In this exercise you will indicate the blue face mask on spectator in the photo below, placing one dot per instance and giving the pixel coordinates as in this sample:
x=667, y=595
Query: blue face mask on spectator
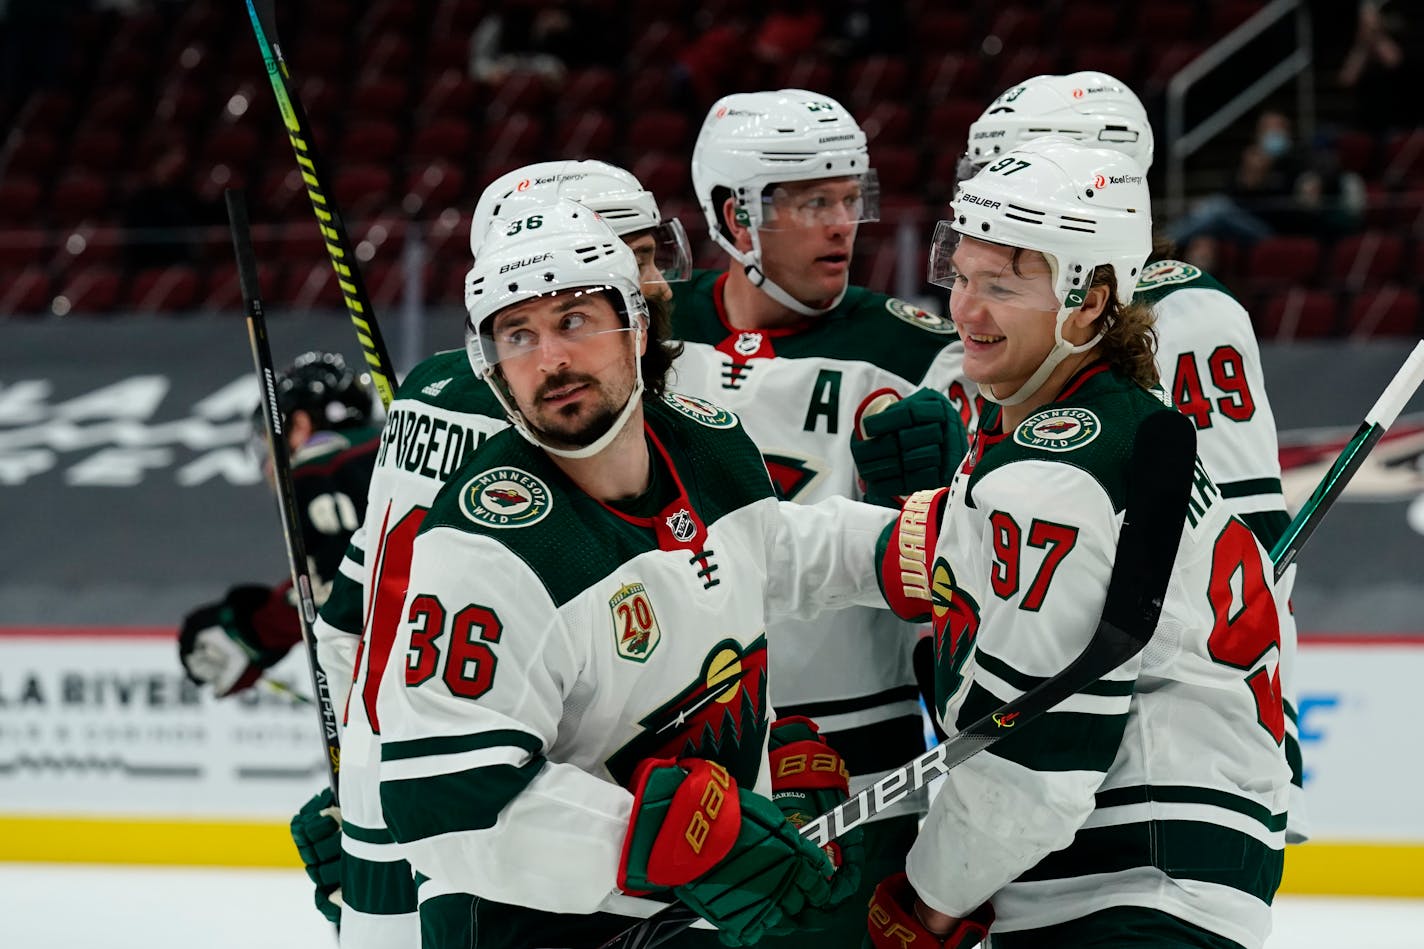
x=1275, y=143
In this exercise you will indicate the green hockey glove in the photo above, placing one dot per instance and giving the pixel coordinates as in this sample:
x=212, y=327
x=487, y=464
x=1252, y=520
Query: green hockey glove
x=907, y=445
x=727, y=852
x=316, y=830
x=809, y=778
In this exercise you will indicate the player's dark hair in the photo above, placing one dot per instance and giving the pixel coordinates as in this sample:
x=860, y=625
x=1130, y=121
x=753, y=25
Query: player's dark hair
x=662, y=349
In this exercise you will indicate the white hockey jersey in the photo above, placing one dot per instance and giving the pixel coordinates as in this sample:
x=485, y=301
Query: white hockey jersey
x=1164, y=785
x=441, y=413
x=549, y=643
x=1210, y=363
x=797, y=391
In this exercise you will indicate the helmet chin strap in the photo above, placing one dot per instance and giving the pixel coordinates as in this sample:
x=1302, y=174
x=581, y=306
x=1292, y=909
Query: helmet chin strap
x=1061, y=350
x=521, y=424
x=751, y=263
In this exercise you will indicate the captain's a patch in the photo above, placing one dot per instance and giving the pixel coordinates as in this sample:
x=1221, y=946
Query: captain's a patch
x=1058, y=429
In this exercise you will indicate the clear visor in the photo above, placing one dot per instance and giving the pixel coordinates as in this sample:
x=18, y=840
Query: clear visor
x=579, y=323
x=826, y=202
x=978, y=271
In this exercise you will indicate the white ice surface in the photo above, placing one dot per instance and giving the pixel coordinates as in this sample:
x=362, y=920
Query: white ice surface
x=47, y=906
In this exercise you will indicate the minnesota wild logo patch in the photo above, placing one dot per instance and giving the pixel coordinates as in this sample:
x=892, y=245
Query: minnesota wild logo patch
x=1165, y=273
x=505, y=497
x=924, y=319
x=1058, y=429
x=700, y=410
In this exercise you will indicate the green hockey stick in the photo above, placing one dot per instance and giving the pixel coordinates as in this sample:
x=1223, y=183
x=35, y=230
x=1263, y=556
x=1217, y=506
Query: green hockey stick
x=262, y=13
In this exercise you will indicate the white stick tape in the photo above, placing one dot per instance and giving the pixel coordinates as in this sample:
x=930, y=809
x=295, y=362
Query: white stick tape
x=1401, y=387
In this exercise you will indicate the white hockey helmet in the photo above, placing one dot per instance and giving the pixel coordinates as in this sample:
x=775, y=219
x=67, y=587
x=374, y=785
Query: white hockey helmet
x=543, y=250
x=1091, y=108
x=1080, y=207
x=753, y=140
x=614, y=193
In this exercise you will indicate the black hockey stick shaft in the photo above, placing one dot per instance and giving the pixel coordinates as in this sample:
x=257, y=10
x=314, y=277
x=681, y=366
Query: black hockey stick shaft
x=339, y=248
x=282, y=470
x=1159, y=488
x=1376, y=422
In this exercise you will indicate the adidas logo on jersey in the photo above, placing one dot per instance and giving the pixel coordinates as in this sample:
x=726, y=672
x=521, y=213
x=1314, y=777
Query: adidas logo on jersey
x=434, y=388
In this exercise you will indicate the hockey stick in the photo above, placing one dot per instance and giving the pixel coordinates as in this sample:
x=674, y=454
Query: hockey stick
x=1159, y=487
x=262, y=13
x=1377, y=421
x=282, y=469
x=938, y=760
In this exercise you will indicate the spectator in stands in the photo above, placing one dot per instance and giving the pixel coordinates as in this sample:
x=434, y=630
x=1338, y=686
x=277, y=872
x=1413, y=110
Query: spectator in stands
x=1375, y=68
x=1278, y=188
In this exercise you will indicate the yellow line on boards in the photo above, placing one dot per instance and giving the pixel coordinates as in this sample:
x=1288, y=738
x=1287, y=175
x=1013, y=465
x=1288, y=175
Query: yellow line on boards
x=1354, y=869
x=1339, y=869
x=137, y=840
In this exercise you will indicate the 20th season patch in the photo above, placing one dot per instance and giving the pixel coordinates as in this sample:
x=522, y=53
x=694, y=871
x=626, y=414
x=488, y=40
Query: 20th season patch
x=700, y=410
x=505, y=497
x=1058, y=429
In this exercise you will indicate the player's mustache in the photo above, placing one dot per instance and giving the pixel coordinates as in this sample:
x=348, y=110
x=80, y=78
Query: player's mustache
x=562, y=380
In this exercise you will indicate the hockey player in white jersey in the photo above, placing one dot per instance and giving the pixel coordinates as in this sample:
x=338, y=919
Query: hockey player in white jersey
x=575, y=708
x=783, y=339
x=1149, y=809
x=1207, y=354
x=440, y=415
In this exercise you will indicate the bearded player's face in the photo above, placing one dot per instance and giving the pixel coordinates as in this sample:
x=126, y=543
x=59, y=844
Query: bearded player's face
x=568, y=363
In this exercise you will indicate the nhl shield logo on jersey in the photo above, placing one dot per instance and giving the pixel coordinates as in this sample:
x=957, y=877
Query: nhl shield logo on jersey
x=924, y=319
x=635, y=627
x=1058, y=429
x=505, y=497
x=748, y=344
x=681, y=525
x=700, y=410
x=1165, y=273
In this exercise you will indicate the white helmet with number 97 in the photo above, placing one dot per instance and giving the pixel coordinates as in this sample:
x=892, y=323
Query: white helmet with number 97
x=1092, y=108
x=751, y=141
x=1082, y=208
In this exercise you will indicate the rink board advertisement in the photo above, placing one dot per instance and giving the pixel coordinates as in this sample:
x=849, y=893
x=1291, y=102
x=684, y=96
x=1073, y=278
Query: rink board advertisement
x=101, y=724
